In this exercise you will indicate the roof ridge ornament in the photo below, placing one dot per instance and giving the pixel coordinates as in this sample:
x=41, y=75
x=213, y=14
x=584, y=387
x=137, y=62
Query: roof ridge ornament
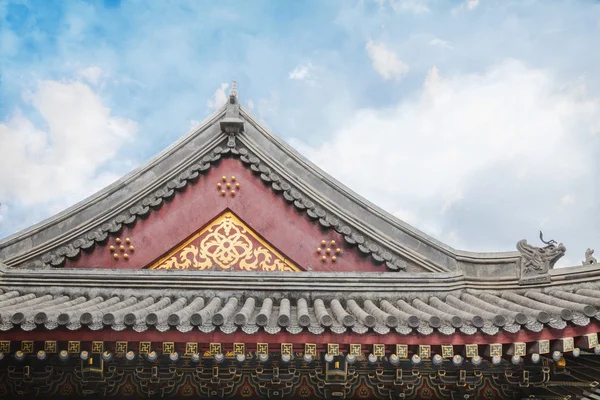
x=589, y=257
x=232, y=124
x=233, y=93
x=536, y=262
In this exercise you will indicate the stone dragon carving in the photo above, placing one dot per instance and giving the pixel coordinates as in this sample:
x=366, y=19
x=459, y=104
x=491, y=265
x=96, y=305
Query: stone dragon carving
x=589, y=257
x=536, y=262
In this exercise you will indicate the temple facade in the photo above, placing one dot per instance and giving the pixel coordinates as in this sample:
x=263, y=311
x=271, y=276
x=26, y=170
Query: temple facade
x=229, y=266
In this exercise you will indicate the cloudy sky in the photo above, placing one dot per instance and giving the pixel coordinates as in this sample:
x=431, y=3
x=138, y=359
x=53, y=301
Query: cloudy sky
x=475, y=121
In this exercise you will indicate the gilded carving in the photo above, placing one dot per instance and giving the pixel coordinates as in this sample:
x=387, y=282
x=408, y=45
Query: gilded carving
x=226, y=243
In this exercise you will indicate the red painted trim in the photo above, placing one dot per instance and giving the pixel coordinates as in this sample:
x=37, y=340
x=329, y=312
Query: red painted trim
x=304, y=337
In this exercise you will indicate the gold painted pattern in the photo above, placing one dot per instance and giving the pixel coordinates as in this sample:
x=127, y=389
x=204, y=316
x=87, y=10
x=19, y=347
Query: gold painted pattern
x=226, y=243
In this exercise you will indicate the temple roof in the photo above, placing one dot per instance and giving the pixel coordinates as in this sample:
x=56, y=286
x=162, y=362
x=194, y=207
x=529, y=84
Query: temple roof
x=232, y=132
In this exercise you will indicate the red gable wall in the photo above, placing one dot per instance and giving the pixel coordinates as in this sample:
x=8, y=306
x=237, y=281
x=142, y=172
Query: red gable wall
x=263, y=210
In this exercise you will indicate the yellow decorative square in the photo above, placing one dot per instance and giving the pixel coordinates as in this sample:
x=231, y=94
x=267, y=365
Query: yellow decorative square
x=355, y=350
x=191, y=348
x=333, y=349
x=402, y=350
x=447, y=351
x=5, y=346
x=310, y=349
x=425, y=351
x=592, y=340
x=239, y=349
x=543, y=346
x=286, y=349
x=471, y=350
x=215, y=348
x=262, y=349
x=568, y=344
x=97, y=347
x=520, y=349
x=379, y=350
x=496, y=349
x=74, y=347
x=168, y=347
x=121, y=348
x=27, y=346
x=145, y=347
x=50, y=346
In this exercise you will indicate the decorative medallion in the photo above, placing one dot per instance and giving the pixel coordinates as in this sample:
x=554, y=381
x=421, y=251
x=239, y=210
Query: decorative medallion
x=168, y=347
x=425, y=351
x=122, y=248
x=496, y=349
x=74, y=347
x=262, y=349
x=286, y=349
x=310, y=349
x=520, y=349
x=145, y=347
x=121, y=347
x=471, y=350
x=543, y=346
x=447, y=351
x=191, y=348
x=97, y=347
x=379, y=350
x=355, y=350
x=228, y=244
x=328, y=251
x=567, y=344
x=228, y=186
x=239, y=349
x=5, y=346
x=592, y=340
x=27, y=346
x=333, y=349
x=402, y=350
x=215, y=349
x=50, y=346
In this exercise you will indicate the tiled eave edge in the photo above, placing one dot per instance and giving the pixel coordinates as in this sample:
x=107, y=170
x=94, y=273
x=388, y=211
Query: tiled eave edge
x=365, y=283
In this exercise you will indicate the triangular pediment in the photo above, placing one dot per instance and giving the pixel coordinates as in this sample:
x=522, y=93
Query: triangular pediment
x=226, y=243
x=284, y=198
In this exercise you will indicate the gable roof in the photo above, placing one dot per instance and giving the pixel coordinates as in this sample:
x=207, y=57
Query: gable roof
x=234, y=132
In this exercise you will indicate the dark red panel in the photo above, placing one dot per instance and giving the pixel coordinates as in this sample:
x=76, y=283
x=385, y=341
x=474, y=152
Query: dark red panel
x=265, y=211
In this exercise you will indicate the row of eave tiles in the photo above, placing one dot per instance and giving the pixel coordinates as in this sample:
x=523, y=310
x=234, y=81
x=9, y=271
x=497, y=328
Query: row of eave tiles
x=466, y=313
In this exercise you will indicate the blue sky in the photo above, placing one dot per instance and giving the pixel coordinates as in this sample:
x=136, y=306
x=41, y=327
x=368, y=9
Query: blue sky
x=476, y=121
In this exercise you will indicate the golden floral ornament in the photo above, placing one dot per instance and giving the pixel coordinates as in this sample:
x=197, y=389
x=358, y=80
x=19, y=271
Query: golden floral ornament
x=227, y=244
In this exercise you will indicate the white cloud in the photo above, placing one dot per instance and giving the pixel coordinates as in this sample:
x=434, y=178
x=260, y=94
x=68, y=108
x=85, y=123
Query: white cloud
x=61, y=161
x=301, y=72
x=472, y=4
x=219, y=98
x=385, y=62
x=3, y=212
x=441, y=43
x=568, y=199
x=414, y=6
x=250, y=105
x=506, y=141
x=92, y=74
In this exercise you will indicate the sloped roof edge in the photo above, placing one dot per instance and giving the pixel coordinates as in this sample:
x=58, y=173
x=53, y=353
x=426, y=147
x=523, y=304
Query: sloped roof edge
x=375, y=232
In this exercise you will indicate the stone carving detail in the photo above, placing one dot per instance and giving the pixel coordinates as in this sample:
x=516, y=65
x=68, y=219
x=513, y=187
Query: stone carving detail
x=589, y=257
x=536, y=262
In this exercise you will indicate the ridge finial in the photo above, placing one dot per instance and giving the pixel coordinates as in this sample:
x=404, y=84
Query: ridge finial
x=233, y=93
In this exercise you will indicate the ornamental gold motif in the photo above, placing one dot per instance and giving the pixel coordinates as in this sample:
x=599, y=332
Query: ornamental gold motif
x=226, y=243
